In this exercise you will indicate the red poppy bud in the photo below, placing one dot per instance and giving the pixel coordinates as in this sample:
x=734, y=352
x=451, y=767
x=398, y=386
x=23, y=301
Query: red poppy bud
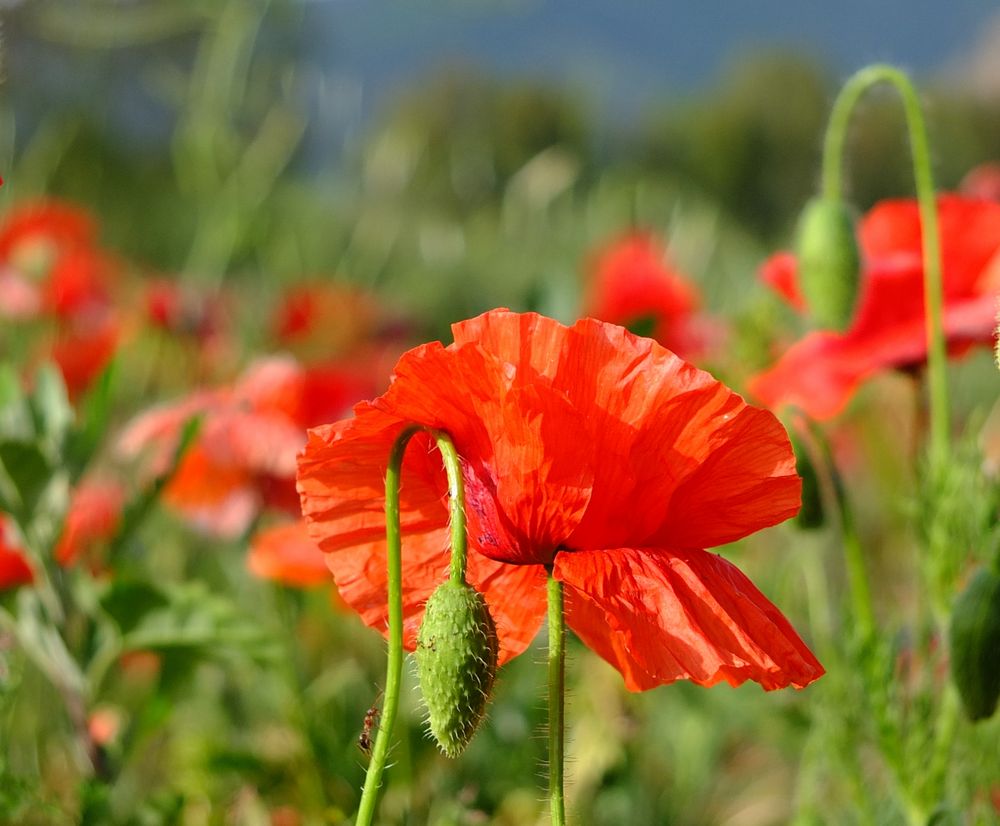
x=829, y=262
x=457, y=650
x=975, y=645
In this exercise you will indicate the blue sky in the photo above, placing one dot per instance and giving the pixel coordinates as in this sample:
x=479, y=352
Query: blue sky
x=627, y=52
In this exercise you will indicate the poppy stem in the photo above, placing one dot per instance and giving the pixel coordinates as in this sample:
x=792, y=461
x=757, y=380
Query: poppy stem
x=557, y=668
x=833, y=151
x=393, y=542
x=854, y=554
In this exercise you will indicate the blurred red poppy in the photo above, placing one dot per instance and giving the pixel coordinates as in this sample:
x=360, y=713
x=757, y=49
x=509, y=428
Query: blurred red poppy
x=820, y=373
x=632, y=283
x=286, y=553
x=94, y=515
x=35, y=229
x=14, y=567
x=82, y=349
x=324, y=317
x=588, y=451
x=176, y=309
x=35, y=237
x=244, y=457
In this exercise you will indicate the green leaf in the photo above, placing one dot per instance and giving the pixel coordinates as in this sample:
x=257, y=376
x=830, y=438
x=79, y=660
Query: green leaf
x=128, y=602
x=138, y=509
x=15, y=414
x=193, y=618
x=29, y=471
x=95, y=413
x=51, y=408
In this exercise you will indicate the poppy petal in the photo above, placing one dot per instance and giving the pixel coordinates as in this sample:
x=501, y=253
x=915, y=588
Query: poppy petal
x=342, y=485
x=744, y=480
x=660, y=616
x=287, y=554
x=516, y=597
x=505, y=417
x=781, y=273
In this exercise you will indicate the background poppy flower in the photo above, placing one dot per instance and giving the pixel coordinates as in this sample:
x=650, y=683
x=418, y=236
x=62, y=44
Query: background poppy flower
x=244, y=456
x=633, y=283
x=94, y=515
x=14, y=567
x=287, y=554
x=586, y=450
x=820, y=373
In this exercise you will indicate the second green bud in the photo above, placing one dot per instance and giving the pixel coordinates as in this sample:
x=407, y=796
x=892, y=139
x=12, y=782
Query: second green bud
x=829, y=262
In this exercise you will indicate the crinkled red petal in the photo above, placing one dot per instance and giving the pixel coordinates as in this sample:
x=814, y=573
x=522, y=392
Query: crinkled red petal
x=660, y=616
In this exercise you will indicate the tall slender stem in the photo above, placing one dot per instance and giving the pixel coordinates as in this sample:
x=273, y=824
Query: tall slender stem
x=557, y=667
x=833, y=152
x=393, y=541
x=854, y=556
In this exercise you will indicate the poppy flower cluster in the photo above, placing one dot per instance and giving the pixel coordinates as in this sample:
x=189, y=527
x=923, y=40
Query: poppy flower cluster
x=243, y=459
x=821, y=372
x=53, y=268
x=589, y=454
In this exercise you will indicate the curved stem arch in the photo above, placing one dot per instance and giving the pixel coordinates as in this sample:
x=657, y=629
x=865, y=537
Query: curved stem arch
x=833, y=152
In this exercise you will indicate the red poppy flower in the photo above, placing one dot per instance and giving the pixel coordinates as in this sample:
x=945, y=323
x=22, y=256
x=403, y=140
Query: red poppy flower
x=286, y=553
x=173, y=308
x=633, y=284
x=820, y=373
x=244, y=458
x=14, y=567
x=324, y=317
x=94, y=516
x=34, y=238
x=45, y=226
x=586, y=450
x=83, y=348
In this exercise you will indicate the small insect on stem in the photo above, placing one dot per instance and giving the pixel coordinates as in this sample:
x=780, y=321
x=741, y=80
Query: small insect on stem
x=369, y=726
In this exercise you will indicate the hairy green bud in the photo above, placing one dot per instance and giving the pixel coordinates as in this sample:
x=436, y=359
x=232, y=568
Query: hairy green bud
x=457, y=650
x=829, y=262
x=975, y=644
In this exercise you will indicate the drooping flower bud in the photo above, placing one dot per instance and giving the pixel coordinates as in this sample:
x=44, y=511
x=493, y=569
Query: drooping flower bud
x=975, y=644
x=457, y=650
x=829, y=262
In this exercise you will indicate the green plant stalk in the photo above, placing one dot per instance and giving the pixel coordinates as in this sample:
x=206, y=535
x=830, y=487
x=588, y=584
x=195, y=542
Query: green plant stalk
x=393, y=541
x=939, y=437
x=833, y=152
x=557, y=693
x=854, y=557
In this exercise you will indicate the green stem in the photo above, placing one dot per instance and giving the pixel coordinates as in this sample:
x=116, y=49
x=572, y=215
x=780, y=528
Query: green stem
x=557, y=663
x=393, y=541
x=945, y=732
x=854, y=556
x=833, y=151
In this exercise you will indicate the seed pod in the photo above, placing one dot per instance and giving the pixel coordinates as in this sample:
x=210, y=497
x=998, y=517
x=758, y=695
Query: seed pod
x=457, y=650
x=975, y=645
x=829, y=262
